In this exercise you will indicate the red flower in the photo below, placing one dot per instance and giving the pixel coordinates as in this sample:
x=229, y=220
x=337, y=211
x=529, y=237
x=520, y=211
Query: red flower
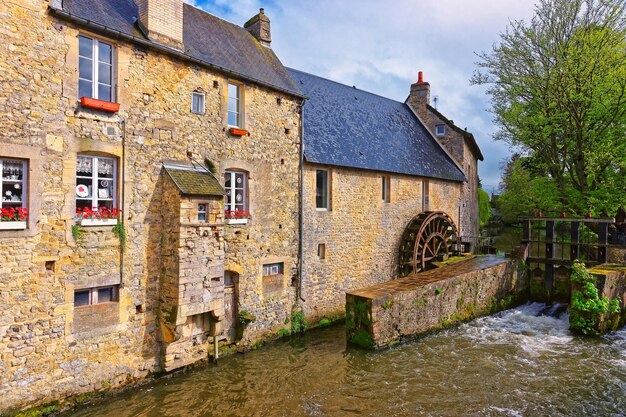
x=11, y=214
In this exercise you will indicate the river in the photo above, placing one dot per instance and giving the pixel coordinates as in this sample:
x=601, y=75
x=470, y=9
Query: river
x=517, y=363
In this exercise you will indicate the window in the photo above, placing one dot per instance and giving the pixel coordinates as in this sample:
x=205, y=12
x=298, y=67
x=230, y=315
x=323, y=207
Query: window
x=13, y=183
x=91, y=296
x=321, y=189
x=321, y=250
x=197, y=103
x=95, y=69
x=235, y=109
x=425, y=195
x=202, y=212
x=385, y=185
x=95, y=182
x=230, y=278
x=440, y=130
x=236, y=185
x=273, y=269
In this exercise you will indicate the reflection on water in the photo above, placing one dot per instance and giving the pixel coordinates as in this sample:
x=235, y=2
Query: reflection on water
x=517, y=363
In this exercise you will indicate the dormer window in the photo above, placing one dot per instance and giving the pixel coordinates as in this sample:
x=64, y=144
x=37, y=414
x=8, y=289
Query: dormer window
x=95, y=69
x=440, y=130
x=235, y=105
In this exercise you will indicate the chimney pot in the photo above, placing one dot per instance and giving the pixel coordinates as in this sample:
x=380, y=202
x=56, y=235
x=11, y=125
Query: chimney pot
x=420, y=78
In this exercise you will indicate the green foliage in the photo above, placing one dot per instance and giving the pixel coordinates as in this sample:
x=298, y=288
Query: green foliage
x=438, y=290
x=363, y=339
x=284, y=332
x=324, y=322
x=484, y=207
x=44, y=410
x=78, y=233
x=120, y=232
x=558, y=94
x=587, y=306
x=245, y=317
x=298, y=322
x=211, y=166
x=387, y=304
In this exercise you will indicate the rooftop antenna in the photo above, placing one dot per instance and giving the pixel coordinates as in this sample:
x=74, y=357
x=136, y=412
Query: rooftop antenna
x=436, y=100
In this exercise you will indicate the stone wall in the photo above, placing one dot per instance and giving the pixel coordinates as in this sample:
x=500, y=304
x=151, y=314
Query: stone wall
x=44, y=354
x=361, y=233
x=387, y=313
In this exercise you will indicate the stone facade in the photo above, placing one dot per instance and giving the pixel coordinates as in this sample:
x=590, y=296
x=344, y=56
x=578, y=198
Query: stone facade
x=361, y=232
x=50, y=349
x=384, y=314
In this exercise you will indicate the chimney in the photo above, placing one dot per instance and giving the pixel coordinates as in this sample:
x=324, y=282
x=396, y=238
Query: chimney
x=419, y=97
x=162, y=21
x=259, y=27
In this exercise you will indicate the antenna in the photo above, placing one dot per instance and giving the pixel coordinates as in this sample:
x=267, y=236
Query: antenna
x=436, y=100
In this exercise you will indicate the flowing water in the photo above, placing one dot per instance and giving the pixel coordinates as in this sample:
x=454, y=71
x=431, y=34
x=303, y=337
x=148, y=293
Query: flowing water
x=517, y=363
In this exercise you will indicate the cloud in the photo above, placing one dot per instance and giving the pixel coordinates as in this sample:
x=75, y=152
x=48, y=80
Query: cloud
x=379, y=47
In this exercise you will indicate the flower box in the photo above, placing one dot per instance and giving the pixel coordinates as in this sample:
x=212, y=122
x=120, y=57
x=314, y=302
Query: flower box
x=238, y=132
x=236, y=221
x=92, y=103
x=98, y=222
x=14, y=225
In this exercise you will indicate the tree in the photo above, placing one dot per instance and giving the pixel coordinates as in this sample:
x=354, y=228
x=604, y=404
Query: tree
x=558, y=93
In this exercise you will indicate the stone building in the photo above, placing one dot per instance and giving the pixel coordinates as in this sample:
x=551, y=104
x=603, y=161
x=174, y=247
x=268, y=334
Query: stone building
x=157, y=109
x=461, y=146
x=371, y=165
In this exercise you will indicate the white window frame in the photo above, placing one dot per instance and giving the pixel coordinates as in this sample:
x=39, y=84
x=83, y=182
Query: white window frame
x=93, y=295
x=233, y=205
x=95, y=68
x=202, y=211
x=238, y=99
x=23, y=183
x=321, y=250
x=203, y=102
x=440, y=130
x=276, y=268
x=326, y=185
x=94, y=180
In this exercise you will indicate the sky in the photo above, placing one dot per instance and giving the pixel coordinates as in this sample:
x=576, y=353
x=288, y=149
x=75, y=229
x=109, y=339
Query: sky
x=380, y=46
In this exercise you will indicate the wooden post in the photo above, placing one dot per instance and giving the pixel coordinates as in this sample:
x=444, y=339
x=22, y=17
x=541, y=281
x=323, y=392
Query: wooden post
x=549, y=274
x=603, y=240
x=575, y=245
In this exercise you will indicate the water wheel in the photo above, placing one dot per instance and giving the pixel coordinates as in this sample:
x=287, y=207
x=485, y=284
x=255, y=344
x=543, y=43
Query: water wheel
x=429, y=237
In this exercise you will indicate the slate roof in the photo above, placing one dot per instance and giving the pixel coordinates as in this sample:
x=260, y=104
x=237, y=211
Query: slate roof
x=207, y=38
x=194, y=181
x=469, y=137
x=348, y=127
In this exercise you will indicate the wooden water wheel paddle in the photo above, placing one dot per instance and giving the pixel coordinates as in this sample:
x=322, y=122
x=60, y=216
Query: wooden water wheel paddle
x=429, y=237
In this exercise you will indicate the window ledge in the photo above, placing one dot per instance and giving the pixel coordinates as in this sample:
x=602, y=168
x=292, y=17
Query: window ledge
x=236, y=131
x=13, y=225
x=97, y=222
x=92, y=103
x=236, y=221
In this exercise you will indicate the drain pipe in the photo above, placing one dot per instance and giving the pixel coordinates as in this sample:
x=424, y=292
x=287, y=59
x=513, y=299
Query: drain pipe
x=122, y=249
x=301, y=203
x=216, y=353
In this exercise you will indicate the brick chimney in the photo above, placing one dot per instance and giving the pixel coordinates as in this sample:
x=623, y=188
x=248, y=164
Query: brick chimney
x=162, y=21
x=259, y=27
x=419, y=97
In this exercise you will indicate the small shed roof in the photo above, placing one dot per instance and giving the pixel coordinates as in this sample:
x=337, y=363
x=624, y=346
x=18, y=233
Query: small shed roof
x=194, y=180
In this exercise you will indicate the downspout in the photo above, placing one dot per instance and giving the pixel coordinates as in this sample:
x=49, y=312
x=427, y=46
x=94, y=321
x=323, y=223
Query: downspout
x=123, y=201
x=301, y=203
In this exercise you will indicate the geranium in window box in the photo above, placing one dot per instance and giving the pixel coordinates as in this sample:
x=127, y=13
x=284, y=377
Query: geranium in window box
x=236, y=216
x=97, y=216
x=237, y=131
x=93, y=103
x=12, y=218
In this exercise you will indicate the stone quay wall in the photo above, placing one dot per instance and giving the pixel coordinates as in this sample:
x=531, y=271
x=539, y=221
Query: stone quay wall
x=48, y=349
x=361, y=233
x=384, y=314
